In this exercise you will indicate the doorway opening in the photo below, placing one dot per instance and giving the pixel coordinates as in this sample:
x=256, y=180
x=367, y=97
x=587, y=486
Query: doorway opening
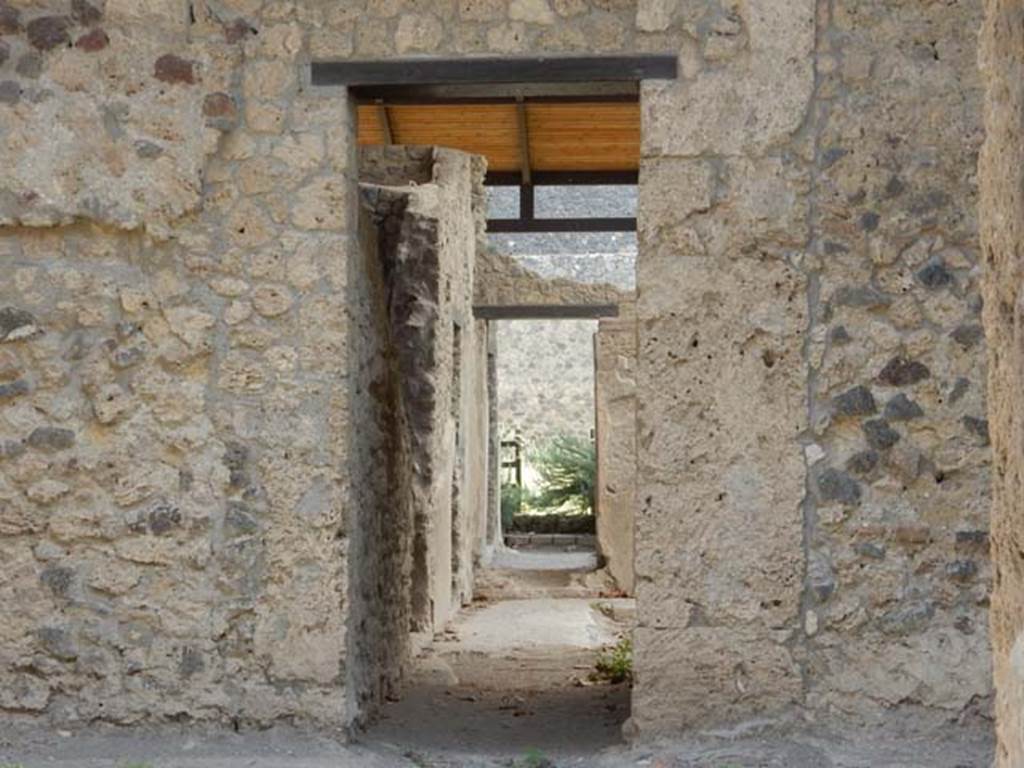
x=504, y=300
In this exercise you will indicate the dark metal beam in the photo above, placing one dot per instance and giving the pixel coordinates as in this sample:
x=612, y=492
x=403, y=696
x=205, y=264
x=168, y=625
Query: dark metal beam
x=527, y=225
x=545, y=311
x=562, y=178
x=487, y=69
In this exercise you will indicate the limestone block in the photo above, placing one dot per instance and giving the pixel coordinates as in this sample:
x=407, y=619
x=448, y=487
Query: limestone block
x=418, y=32
x=531, y=11
x=720, y=393
x=687, y=678
x=727, y=111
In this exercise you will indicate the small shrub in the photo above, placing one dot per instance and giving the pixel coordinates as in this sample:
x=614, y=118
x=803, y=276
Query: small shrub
x=512, y=497
x=616, y=665
x=567, y=467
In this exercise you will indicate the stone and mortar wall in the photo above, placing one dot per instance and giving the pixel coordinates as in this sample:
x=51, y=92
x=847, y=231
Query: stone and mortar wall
x=545, y=379
x=615, y=395
x=807, y=279
x=180, y=548
x=437, y=403
x=1002, y=206
x=174, y=221
x=897, y=449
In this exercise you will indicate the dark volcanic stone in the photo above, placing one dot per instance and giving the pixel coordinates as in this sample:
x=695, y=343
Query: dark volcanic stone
x=163, y=518
x=862, y=463
x=147, y=150
x=16, y=324
x=10, y=19
x=907, y=618
x=840, y=335
x=14, y=389
x=871, y=550
x=934, y=275
x=879, y=434
x=967, y=336
x=861, y=296
x=857, y=401
x=10, y=92
x=973, y=538
x=95, y=40
x=902, y=408
x=191, y=662
x=894, y=187
x=960, y=388
x=978, y=427
x=57, y=642
x=869, y=221
x=85, y=13
x=236, y=31
x=834, y=485
x=962, y=570
x=174, y=69
x=58, y=579
x=10, y=449
x=48, y=32
x=900, y=372
x=51, y=439
x=30, y=65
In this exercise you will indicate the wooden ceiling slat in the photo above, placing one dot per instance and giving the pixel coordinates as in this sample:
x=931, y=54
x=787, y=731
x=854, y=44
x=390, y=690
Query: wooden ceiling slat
x=583, y=136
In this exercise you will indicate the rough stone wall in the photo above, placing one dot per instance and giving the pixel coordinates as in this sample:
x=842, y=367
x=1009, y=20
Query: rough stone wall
x=182, y=551
x=546, y=368
x=1002, y=207
x=615, y=395
x=173, y=409
x=897, y=518
x=545, y=379
x=807, y=278
x=439, y=409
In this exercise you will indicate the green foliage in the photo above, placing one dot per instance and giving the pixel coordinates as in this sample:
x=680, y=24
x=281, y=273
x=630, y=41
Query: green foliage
x=616, y=665
x=512, y=498
x=567, y=466
x=534, y=758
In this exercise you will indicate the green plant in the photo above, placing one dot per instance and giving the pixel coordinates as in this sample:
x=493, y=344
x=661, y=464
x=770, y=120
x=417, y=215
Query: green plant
x=512, y=497
x=616, y=665
x=534, y=758
x=567, y=466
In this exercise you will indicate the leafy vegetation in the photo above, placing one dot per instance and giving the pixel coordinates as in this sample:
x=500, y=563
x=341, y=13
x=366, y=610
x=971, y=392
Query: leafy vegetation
x=567, y=466
x=616, y=665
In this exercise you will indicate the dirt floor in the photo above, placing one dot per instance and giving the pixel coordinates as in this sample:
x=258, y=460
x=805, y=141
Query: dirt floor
x=508, y=686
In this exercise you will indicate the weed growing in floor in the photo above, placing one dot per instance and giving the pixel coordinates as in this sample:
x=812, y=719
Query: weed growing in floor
x=616, y=665
x=534, y=758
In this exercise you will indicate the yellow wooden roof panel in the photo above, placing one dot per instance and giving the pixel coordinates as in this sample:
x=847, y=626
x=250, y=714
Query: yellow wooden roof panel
x=577, y=136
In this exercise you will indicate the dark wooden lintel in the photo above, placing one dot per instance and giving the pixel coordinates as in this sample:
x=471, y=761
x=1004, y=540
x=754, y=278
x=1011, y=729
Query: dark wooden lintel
x=488, y=69
x=545, y=311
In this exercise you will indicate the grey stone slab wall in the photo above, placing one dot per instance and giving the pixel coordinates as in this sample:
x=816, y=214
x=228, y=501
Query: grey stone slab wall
x=1002, y=207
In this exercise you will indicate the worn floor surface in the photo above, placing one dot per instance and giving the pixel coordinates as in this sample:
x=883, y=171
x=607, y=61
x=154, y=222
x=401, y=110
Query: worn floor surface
x=507, y=687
